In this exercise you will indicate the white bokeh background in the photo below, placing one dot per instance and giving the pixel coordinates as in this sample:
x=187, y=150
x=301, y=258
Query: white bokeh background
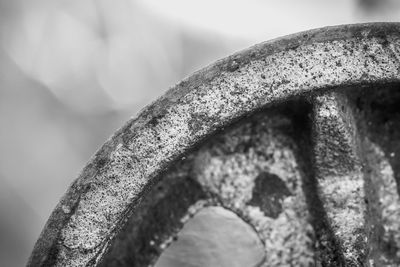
x=71, y=72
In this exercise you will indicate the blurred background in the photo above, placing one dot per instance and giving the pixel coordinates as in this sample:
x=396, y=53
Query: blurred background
x=72, y=72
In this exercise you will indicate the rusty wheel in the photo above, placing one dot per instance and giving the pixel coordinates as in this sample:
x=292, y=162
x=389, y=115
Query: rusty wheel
x=298, y=136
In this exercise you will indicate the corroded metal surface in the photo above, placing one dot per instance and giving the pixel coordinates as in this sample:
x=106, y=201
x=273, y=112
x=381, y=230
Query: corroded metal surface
x=253, y=171
x=108, y=191
x=339, y=173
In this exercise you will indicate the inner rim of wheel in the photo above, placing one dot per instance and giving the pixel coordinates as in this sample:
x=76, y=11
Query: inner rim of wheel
x=313, y=177
x=304, y=66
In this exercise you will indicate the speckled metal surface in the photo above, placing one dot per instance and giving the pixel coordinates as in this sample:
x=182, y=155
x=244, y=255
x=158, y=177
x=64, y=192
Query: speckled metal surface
x=253, y=171
x=105, y=194
x=339, y=172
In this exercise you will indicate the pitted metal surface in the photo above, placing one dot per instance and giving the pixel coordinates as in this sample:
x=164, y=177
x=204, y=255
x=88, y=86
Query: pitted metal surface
x=294, y=114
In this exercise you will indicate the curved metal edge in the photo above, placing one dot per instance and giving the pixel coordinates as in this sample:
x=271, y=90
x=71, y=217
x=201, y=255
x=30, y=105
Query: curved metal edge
x=97, y=203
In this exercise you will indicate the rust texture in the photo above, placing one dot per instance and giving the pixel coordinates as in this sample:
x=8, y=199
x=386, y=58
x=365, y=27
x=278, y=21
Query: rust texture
x=339, y=172
x=123, y=171
x=251, y=168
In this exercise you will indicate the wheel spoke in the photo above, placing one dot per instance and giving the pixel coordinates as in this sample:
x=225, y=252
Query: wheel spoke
x=339, y=174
